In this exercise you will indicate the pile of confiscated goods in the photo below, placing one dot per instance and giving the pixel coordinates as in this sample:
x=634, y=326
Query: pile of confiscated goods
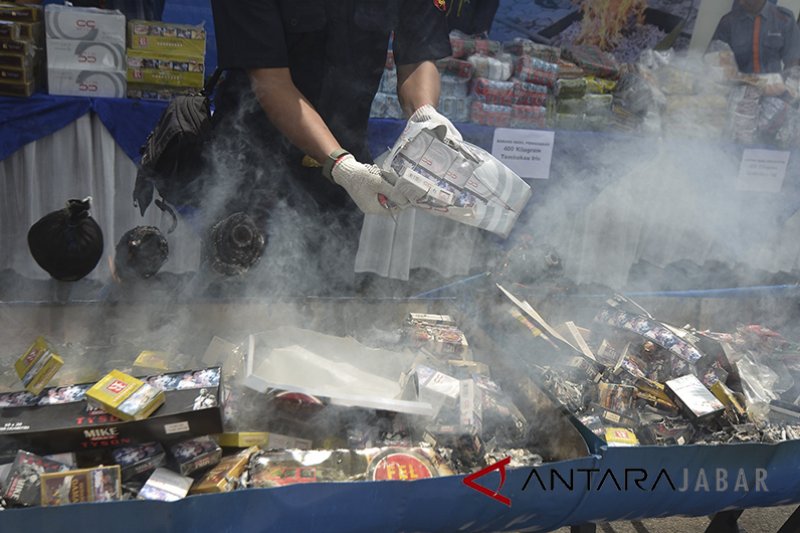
x=171, y=433
x=634, y=380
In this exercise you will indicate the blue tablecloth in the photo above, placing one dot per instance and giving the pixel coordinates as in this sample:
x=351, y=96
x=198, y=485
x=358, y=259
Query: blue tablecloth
x=26, y=120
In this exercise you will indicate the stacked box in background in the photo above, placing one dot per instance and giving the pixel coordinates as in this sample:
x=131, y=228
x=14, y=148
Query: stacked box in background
x=165, y=59
x=21, y=56
x=85, y=51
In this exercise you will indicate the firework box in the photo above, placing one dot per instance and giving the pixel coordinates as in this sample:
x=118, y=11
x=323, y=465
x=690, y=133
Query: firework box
x=21, y=31
x=60, y=420
x=149, y=360
x=139, y=459
x=124, y=396
x=22, y=486
x=91, y=83
x=149, y=68
x=99, y=484
x=196, y=454
x=38, y=366
x=165, y=38
x=84, y=24
x=166, y=486
x=695, y=400
x=81, y=55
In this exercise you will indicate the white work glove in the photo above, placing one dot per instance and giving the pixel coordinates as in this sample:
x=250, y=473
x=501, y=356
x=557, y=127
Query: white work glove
x=366, y=186
x=428, y=113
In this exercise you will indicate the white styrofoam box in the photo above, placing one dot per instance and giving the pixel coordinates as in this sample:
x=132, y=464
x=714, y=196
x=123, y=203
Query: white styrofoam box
x=84, y=24
x=82, y=55
x=92, y=83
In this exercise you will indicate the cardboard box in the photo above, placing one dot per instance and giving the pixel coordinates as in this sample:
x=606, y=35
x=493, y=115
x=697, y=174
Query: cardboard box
x=124, y=396
x=82, y=55
x=58, y=420
x=99, y=484
x=39, y=363
x=84, y=24
x=11, y=46
x=139, y=459
x=91, y=83
x=694, y=399
x=19, y=76
x=196, y=454
x=267, y=441
x=224, y=477
x=22, y=486
x=165, y=38
x=160, y=69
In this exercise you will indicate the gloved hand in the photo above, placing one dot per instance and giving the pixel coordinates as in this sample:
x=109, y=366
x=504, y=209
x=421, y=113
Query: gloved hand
x=364, y=184
x=428, y=113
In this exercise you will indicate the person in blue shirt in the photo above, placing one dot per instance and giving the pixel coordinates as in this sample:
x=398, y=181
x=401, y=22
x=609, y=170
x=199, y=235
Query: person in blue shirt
x=763, y=36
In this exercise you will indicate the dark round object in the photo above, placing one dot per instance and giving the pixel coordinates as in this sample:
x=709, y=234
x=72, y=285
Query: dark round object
x=141, y=252
x=67, y=243
x=235, y=244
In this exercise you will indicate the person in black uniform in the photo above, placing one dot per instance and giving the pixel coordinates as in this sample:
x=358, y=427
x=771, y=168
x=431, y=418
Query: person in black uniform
x=764, y=37
x=300, y=77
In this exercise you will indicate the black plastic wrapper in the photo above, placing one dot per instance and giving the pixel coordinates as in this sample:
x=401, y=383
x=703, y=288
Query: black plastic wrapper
x=235, y=245
x=141, y=252
x=67, y=243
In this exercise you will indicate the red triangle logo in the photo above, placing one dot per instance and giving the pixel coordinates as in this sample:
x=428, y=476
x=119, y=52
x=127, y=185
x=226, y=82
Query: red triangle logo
x=469, y=481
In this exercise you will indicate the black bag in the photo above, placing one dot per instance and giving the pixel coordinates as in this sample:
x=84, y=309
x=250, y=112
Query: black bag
x=67, y=243
x=172, y=154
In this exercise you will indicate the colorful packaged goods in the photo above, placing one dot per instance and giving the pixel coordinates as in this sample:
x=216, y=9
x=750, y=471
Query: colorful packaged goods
x=533, y=70
x=38, y=366
x=124, y=396
x=99, y=484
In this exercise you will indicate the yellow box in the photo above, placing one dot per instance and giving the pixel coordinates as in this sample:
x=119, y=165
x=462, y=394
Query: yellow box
x=39, y=364
x=621, y=437
x=222, y=478
x=20, y=13
x=152, y=360
x=166, y=38
x=124, y=396
x=262, y=439
x=150, y=68
x=17, y=89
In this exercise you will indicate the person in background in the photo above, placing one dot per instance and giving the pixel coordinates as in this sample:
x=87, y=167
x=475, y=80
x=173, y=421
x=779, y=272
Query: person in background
x=300, y=79
x=763, y=36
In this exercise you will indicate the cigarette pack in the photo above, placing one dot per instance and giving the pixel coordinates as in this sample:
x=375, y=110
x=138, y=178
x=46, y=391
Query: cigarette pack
x=694, y=399
x=196, y=454
x=225, y=476
x=139, y=459
x=621, y=437
x=20, y=12
x=81, y=55
x=124, y=396
x=99, y=484
x=265, y=440
x=39, y=364
x=166, y=486
x=60, y=420
x=22, y=486
x=727, y=397
x=91, y=83
x=418, y=188
x=84, y=24
x=165, y=38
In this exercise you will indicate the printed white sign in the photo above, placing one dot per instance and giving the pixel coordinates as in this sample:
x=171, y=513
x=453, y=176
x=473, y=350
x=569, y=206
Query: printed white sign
x=762, y=170
x=526, y=152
